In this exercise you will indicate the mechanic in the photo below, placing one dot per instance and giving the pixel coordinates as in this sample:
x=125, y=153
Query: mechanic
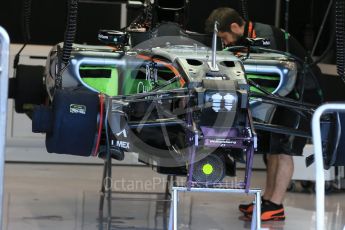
x=232, y=29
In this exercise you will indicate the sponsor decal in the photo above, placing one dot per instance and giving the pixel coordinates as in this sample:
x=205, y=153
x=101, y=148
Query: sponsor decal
x=122, y=133
x=75, y=108
x=122, y=144
x=223, y=141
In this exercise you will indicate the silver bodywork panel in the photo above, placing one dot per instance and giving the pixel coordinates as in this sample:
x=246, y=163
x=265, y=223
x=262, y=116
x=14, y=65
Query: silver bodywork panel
x=192, y=61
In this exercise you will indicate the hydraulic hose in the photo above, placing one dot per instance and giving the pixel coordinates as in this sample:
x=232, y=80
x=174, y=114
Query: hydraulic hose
x=25, y=26
x=244, y=9
x=70, y=33
x=71, y=29
x=327, y=50
x=26, y=14
x=331, y=43
x=340, y=37
x=330, y=4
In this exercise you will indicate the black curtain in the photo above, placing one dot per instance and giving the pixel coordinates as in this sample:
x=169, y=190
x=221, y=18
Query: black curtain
x=48, y=19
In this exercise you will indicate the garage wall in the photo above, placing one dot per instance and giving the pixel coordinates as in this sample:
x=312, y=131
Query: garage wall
x=48, y=20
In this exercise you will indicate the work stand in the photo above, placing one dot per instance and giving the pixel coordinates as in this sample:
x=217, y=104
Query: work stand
x=107, y=198
x=169, y=198
x=256, y=220
x=239, y=187
x=246, y=142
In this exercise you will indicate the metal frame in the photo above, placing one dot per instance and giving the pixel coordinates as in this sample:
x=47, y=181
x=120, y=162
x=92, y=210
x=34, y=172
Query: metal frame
x=247, y=142
x=319, y=172
x=4, y=60
x=106, y=197
x=256, y=219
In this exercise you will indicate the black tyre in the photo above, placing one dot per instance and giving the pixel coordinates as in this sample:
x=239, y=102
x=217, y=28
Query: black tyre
x=28, y=88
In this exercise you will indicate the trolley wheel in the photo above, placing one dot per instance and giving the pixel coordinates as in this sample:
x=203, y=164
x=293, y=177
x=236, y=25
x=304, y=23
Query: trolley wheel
x=292, y=187
x=306, y=184
x=328, y=187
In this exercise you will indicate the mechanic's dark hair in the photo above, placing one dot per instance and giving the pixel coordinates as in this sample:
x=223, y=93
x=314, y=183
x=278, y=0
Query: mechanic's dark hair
x=225, y=17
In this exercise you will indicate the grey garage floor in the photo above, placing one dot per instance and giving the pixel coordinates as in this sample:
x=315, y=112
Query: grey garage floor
x=60, y=197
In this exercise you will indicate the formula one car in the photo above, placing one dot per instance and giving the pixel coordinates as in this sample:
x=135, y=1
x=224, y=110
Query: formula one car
x=159, y=102
x=185, y=108
x=175, y=106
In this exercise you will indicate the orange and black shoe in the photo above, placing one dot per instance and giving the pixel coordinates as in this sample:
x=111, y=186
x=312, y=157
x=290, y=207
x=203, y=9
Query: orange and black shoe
x=272, y=212
x=247, y=209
